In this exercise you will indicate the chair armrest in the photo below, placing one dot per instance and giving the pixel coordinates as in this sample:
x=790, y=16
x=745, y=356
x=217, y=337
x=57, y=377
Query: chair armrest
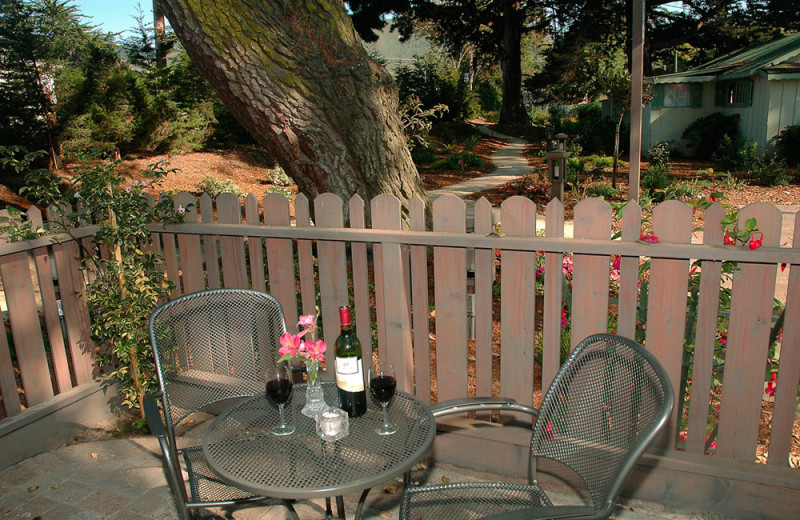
x=549, y=512
x=479, y=404
x=153, y=414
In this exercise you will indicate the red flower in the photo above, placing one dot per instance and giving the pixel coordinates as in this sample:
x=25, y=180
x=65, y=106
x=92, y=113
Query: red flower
x=755, y=244
x=728, y=240
x=615, y=264
x=783, y=267
x=652, y=239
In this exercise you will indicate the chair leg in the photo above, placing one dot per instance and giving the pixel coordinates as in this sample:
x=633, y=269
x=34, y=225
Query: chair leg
x=290, y=508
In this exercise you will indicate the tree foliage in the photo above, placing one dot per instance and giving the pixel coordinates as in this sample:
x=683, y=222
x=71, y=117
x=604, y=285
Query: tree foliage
x=492, y=29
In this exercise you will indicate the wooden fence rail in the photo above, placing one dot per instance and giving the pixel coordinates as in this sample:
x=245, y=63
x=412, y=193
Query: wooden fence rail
x=428, y=288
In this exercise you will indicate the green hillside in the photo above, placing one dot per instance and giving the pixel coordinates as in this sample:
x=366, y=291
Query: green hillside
x=395, y=52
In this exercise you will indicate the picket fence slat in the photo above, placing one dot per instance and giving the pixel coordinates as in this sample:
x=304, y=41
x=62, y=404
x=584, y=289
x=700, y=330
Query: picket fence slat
x=752, y=295
x=590, y=272
x=419, y=304
x=72, y=288
x=231, y=249
x=783, y=416
x=706, y=334
x=518, y=304
x=629, y=273
x=483, y=312
x=210, y=249
x=332, y=265
x=252, y=215
x=397, y=322
x=44, y=270
x=553, y=296
x=305, y=257
x=280, y=258
x=361, y=281
x=666, y=310
x=192, y=275
x=450, y=273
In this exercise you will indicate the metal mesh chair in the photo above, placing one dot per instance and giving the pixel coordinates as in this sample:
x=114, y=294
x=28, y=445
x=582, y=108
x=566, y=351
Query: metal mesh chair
x=606, y=405
x=211, y=348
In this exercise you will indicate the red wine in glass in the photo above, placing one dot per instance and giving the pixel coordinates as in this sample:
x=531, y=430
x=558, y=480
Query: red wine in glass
x=382, y=385
x=279, y=389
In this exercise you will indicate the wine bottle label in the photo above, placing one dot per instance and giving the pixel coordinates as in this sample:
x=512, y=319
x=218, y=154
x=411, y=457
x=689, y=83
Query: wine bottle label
x=350, y=374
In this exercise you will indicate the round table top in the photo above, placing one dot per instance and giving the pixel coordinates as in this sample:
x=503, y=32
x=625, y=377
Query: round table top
x=239, y=447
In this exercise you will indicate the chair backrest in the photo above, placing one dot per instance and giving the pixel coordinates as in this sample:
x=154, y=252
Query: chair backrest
x=212, y=346
x=606, y=405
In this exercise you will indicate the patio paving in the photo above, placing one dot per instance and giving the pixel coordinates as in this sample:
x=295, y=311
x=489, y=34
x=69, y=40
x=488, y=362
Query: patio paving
x=122, y=479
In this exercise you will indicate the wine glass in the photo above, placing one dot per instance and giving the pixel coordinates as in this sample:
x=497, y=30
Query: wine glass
x=382, y=385
x=279, y=388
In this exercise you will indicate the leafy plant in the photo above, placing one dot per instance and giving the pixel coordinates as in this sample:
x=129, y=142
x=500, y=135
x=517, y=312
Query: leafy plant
x=706, y=133
x=278, y=177
x=215, y=187
x=128, y=282
x=787, y=143
x=655, y=178
x=660, y=154
x=770, y=172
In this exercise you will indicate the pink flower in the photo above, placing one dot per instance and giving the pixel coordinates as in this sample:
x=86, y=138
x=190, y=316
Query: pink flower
x=289, y=344
x=682, y=436
x=616, y=262
x=307, y=320
x=315, y=350
x=539, y=272
x=652, y=239
x=181, y=209
x=564, y=319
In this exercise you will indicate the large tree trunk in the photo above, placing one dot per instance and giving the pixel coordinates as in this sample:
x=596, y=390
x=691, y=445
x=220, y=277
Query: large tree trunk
x=297, y=77
x=513, y=110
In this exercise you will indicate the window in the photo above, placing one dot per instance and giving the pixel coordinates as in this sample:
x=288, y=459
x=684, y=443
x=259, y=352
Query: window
x=738, y=93
x=678, y=95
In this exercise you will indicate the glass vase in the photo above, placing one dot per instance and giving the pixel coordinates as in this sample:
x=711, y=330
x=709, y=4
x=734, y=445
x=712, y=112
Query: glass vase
x=315, y=400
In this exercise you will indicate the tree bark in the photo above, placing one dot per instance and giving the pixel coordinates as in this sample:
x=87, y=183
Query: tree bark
x=298, y=79
x=512, y=110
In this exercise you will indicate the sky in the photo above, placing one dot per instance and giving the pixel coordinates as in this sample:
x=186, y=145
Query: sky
x=114, y=15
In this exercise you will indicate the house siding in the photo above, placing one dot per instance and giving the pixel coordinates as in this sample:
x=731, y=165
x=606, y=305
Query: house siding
x=776, y=104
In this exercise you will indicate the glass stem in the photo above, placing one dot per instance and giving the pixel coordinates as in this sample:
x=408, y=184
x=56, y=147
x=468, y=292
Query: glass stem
x=280, y=410
x=385, y=417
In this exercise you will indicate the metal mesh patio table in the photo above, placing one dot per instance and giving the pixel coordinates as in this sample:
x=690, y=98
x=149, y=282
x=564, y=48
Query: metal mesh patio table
x=241, y=450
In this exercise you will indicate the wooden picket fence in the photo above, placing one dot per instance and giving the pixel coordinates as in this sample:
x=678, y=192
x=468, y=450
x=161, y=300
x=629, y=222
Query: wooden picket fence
x=394, y=270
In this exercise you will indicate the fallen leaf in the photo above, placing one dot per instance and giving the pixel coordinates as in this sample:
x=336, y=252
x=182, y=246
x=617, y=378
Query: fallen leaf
x=386, y=514
x=56, y=486
x=390, y=489
x=95, y=455
x=32, y=489
x=445, y=480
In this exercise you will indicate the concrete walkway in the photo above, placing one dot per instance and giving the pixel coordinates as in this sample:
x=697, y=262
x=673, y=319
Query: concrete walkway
x=122, y=479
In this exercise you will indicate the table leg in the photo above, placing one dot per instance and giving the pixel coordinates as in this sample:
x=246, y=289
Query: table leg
x=361, y=503
x=340, y=507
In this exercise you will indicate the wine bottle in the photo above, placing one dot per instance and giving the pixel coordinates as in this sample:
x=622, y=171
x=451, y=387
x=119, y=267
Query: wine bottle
x=350, y=367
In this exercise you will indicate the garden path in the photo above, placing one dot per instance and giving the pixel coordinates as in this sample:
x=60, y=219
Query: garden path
x=511, y=164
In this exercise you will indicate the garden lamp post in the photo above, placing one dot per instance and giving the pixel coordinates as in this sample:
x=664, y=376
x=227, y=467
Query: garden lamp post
x=557, y=167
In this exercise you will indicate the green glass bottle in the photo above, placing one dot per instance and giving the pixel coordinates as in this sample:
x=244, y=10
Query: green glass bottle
x=350, y=367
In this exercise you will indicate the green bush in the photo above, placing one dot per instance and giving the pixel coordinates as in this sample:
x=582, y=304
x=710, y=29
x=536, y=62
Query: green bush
x=278, y=177
x=684, y=190
x=770, y=172
x=454, y=162
x=655, y=178
x=659, y=154
x=490, y=95
x=787, y=143
x=437, y=82
x=705, y=135
x=424, y=153
x=603, y=190
x=215, y=187
x=586, y=125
